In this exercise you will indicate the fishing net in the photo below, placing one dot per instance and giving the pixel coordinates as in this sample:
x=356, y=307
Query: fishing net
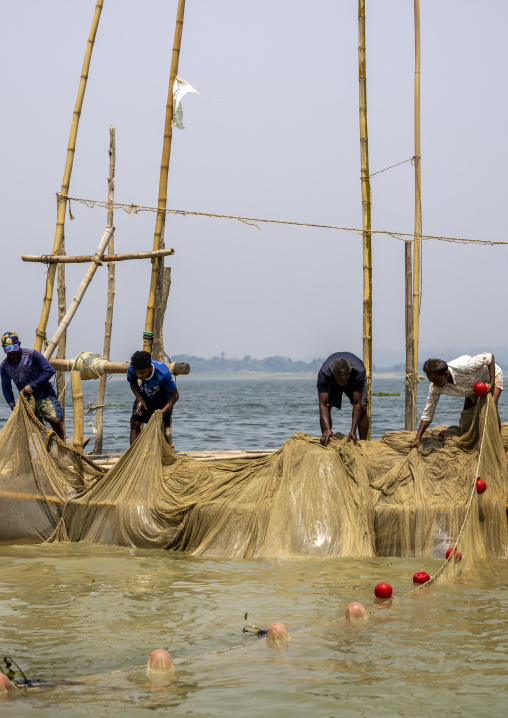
x=375, y=498
x=35, y=480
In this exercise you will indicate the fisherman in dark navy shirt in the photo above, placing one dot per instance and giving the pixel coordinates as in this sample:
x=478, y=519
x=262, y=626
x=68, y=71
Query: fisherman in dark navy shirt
x=30, y=371
x=343, y=373
x=153, y=386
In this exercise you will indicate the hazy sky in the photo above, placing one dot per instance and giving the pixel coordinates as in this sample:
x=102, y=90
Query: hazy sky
x=274, y=133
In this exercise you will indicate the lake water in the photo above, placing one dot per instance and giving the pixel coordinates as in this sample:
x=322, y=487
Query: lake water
x=250, y=413
x=91, y=615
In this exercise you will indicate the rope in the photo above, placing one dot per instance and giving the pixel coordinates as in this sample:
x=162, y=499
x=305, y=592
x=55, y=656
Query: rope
x=411, y=159
x=89, y=365
x=254, y=222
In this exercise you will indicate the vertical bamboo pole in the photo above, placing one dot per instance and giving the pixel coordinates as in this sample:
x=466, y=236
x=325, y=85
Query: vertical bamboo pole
x=163, y=180
x=417, y=254
x=62, y=305
x=366, y=206
x=409, y=384
x=77, y=406
x=101, y=390
x=40, y=333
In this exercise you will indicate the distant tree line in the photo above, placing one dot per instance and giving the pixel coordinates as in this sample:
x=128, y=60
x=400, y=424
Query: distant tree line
x=269, y=365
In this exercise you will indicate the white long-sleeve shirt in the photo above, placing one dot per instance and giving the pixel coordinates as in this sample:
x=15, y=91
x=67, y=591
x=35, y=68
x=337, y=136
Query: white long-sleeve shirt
x=465, y=371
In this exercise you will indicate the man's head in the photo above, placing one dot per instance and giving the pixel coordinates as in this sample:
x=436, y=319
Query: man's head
x=341, y=370
x=437, y=372
x=141, y=362
x=11, y=346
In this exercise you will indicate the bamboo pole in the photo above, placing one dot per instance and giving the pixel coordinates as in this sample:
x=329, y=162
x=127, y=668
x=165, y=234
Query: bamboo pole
x=101, y=389
x=366, y=207
x=62, y=344
x=410, y=402
x=112, y=367
x=417, y=253
x=162, y=296
x=40, y=333
x=79, y=294
x=83, y=258
x=77, y=407
x=163, y=179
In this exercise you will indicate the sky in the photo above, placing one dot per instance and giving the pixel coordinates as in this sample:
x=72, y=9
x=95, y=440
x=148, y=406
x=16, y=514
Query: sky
x=274, y=133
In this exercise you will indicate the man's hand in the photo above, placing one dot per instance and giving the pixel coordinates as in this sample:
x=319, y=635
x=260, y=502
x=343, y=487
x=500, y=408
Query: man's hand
x=141, y=405
x=491, y=387
x=27, y=390
x=415, y=444
x=327, y=435
x=352, y=436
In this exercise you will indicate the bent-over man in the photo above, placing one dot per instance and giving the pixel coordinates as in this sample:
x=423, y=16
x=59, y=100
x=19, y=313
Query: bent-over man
x=31, y=372
x=343, y=373
x=457, y=378
x=153, y=386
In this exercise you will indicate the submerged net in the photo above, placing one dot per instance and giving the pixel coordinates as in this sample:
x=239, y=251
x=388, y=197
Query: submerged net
x=371, y=499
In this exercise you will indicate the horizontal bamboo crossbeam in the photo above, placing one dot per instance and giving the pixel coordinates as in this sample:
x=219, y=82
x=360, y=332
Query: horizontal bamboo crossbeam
x=112, y=367
x=63, y=259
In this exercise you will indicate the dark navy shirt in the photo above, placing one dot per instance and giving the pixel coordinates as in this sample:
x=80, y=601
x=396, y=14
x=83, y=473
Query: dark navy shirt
x=34, y=369
x=327, y=384
x=157, y=387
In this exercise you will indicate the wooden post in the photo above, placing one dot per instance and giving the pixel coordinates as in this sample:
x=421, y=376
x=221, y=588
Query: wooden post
x=148, y=334
x=408, y=383
x=77, y=406
x=161, y=304
x=40, y=333
x=79, y=294
x=417, y=253
x=101, y=389
x=366, y=207
x=62, y=344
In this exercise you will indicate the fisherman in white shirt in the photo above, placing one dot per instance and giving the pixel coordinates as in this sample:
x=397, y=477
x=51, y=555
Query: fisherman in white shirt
x=457, y=378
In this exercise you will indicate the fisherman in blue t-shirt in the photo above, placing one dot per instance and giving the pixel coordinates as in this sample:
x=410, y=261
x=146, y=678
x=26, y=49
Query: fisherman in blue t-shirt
x=153, y=386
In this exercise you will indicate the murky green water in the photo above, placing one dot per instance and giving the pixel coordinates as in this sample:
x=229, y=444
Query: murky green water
x=67, y=612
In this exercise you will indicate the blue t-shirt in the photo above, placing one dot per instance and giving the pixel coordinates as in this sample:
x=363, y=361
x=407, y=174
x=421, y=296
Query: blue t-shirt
x=33, y=369
x=156, y=389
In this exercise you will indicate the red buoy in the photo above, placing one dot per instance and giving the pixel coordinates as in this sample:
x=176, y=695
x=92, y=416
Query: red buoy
x=480, y=485
x=480, y=388
x=383, y=590
x=458, y=554
x=421, y=577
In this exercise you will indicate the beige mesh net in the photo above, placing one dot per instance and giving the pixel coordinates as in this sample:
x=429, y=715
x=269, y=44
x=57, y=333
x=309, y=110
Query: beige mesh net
x=35, y=481
x=371, y=499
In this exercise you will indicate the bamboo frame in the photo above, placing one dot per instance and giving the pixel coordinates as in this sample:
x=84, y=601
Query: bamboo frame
x=83, y=258
x=62, y=344
x=163, y=179
x=366, y=207
x=108, y=327
x=40, y=333
x=111, y=367
x=79, y=294
x=417, y=252
x=410, y=403
x=77, y=407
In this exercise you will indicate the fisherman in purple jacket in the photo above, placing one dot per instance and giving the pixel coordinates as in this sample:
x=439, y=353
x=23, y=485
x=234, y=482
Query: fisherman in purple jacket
x=31, y=372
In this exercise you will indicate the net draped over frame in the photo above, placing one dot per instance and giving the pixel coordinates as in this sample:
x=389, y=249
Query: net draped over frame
x=375, y=498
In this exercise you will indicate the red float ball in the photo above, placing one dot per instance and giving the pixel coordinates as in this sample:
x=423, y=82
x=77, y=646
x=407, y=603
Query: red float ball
x=421, y=577
x=480, y=485
x=383, y=590
x=458, y=554
x=480, y=388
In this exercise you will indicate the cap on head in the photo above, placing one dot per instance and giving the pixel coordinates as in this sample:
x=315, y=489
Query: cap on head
x=10, y=342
